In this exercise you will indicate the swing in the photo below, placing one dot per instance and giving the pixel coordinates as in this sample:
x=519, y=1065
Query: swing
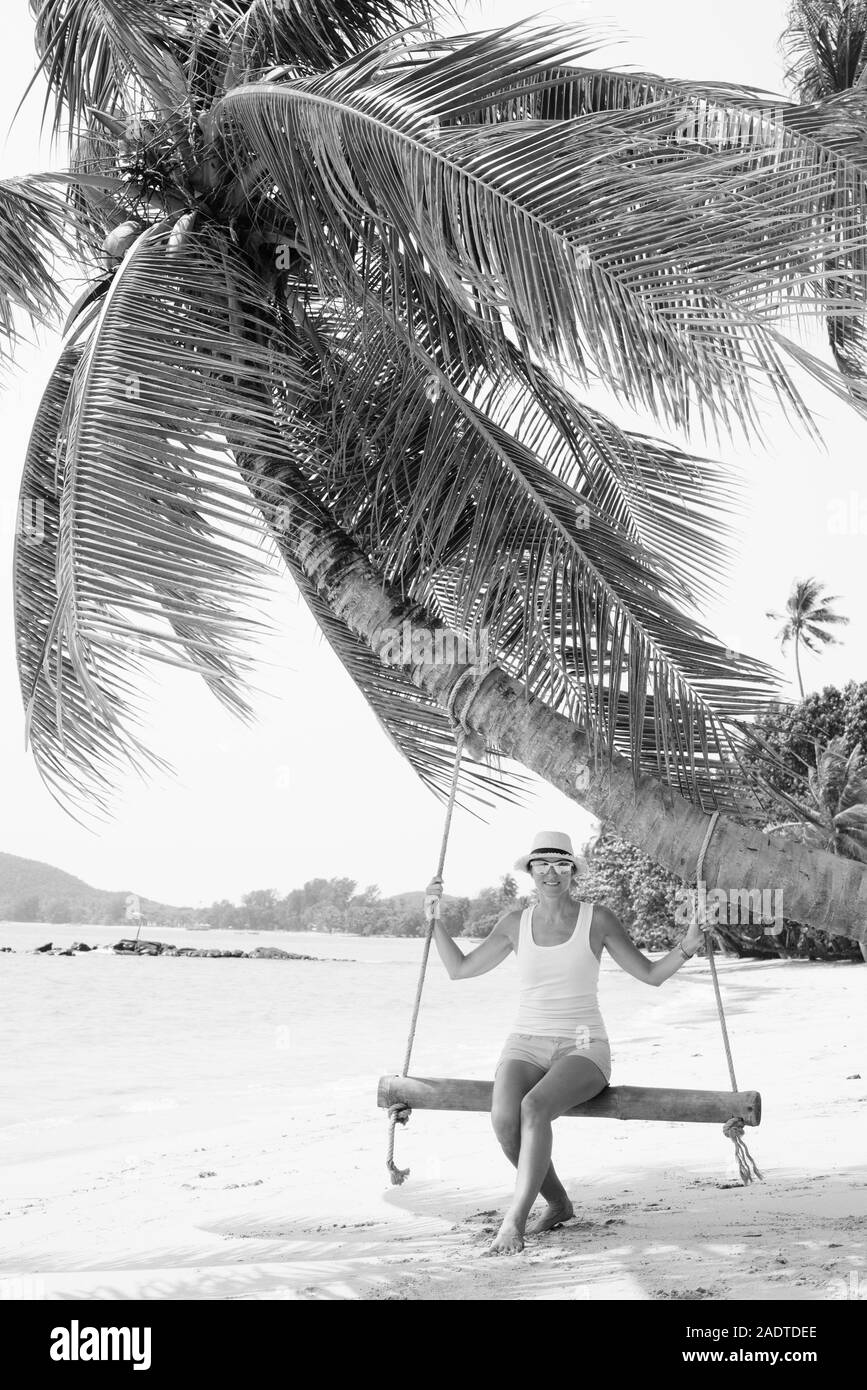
x=734, y=1109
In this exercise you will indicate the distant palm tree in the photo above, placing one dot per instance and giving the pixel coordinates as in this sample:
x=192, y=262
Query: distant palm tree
x=345, y=280
x=805, y=619
x=826, y=47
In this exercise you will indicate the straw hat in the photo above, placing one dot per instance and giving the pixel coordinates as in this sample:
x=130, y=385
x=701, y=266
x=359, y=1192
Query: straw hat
x=547, y=842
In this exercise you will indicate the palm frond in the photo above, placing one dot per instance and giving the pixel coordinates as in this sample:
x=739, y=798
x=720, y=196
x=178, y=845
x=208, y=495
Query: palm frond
x=839, y=123
x=74, y=746
x=116, y=55
x=823, y=141
x=81, y=314
x=456, y=502
x=614, y=243
x=35, y=225
x=312, y=35
x=159, y=551
x=669, y=502
x=666, y=500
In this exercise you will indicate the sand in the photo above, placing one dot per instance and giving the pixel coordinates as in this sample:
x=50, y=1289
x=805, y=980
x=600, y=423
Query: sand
x=177, y=1128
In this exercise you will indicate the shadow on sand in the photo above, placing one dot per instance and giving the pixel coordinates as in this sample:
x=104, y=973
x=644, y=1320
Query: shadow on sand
x=644, y=1235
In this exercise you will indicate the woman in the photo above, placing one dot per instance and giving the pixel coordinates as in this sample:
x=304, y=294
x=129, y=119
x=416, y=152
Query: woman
x=557, y=1054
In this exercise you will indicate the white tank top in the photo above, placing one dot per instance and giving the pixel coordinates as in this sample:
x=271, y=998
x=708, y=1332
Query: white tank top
x=558, y=983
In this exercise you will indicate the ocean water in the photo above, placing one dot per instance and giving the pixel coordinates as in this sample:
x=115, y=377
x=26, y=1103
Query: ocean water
x=101, y=1049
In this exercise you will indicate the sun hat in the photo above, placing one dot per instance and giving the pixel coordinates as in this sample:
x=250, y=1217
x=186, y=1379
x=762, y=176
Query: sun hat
x=547, y=842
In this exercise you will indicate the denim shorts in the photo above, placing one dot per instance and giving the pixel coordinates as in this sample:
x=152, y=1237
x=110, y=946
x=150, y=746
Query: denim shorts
x=544, y=1052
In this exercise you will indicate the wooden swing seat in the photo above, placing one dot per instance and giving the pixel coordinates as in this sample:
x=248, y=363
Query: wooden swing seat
x=614, y=1103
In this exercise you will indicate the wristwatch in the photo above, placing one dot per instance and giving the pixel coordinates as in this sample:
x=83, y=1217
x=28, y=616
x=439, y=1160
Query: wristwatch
x=687, y=955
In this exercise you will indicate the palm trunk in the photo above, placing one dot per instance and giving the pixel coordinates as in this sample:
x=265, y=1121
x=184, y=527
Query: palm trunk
x=822, y=890
x=798, y=667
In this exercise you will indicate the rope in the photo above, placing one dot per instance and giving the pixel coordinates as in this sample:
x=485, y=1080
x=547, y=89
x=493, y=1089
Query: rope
x=699, y=868
x=471, y=674
x=399, y=1114
x=734, y=1128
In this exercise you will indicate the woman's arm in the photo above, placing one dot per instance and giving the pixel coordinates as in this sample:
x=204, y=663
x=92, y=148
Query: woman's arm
x=633, y=961
x=490, y=953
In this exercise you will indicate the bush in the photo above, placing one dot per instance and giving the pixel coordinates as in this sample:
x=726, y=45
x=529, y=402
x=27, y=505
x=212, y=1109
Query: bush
x=792, y=731
x=486, y=910
x=637, y=890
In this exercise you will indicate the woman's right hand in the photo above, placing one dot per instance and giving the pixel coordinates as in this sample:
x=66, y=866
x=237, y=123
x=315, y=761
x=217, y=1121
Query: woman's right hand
x=432, y=896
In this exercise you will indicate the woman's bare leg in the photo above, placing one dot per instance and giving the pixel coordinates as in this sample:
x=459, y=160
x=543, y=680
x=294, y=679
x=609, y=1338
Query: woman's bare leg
x=512, y=1082
x=569, y=1082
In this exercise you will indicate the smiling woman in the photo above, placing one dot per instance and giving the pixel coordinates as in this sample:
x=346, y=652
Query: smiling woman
x=557, y=1055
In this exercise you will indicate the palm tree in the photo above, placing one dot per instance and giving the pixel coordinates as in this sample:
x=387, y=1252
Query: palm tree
x=807, y=615
x=826, y=48
x=836, y=817
x=337, y=275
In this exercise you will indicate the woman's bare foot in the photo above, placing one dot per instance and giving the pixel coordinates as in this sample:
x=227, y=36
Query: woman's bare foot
x=554, y=1214
x=508, y=1240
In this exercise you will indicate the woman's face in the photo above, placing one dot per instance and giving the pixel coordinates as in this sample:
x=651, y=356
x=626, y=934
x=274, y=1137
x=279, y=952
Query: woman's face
x=552, y=877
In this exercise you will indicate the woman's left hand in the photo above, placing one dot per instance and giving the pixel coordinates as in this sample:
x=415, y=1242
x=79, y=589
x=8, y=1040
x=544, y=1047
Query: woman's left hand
x=694, y=939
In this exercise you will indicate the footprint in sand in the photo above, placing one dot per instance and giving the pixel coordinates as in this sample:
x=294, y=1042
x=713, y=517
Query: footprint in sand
x=683, y=1294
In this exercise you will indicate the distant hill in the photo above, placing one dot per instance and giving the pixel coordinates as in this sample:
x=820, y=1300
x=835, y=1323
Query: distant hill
x=414, y=902
x=31, y=891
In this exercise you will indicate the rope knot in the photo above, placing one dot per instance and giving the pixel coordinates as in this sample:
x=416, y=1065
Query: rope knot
x=398, y=1175
x=474, y=743
x=734, y=1129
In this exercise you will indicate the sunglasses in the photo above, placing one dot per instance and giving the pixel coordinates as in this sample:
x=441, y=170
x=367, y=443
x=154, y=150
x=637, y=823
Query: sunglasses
x=562, y=866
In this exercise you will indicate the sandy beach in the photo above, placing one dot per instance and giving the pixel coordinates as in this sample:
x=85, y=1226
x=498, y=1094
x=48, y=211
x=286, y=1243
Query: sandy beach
x=177, y=1128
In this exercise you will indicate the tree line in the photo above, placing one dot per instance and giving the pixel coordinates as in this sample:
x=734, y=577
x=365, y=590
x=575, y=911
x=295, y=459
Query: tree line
x=337, y=905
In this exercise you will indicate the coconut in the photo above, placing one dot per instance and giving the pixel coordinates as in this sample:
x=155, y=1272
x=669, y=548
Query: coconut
x=180, y=231
x=118, y=241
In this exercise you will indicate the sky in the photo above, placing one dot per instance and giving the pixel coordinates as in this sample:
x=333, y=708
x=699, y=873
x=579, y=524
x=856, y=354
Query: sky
x=313, y=788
